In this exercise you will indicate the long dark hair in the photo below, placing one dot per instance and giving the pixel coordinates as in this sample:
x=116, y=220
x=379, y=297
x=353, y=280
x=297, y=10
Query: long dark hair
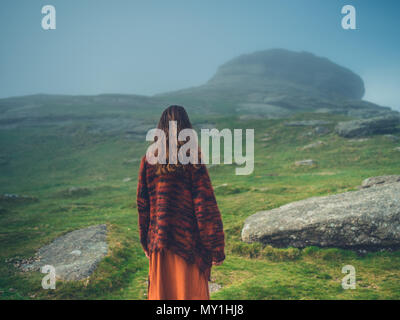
x=178, y=114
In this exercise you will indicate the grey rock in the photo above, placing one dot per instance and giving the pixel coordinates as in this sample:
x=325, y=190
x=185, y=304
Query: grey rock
x=366, y=127
x=392, y=137
x=221, y=186
x=358, y=140
x=302, y=123
x=313, y=145
x=397, y=149
x=366, y=219
x=214, y=287
x=74, y=255
x=363, y=110
x=320, y=130
x=308, y=162
x=76, y=252
x=380, y=180
x=266, y=137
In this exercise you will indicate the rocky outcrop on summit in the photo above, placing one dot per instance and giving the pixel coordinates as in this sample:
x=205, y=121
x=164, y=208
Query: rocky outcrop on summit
x=367, y=219
x=300, y=70
x=276, y=83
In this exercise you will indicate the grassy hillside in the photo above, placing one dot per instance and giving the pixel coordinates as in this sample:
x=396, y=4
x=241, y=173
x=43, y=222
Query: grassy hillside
x=48, y=148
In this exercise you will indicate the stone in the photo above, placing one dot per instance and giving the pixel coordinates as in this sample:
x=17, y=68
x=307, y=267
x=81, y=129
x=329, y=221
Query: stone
x=214, y=287
x=308, y=162
x=380, y=180
x=320, y=130
x=302, y=123
x=75, y=192
x=366, y=127
x=76, y=252
x=266, y=137
x=313, y=145
x=74, y=255
x=392, y=137
x=367, y=219
x=358, y=140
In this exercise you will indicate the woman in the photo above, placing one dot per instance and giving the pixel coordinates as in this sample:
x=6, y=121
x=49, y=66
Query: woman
x=180, y=225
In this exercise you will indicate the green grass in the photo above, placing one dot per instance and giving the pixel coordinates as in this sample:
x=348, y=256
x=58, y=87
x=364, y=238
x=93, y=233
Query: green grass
x=45, y=161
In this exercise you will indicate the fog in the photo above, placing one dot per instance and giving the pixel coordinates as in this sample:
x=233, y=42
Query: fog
x=148, y=47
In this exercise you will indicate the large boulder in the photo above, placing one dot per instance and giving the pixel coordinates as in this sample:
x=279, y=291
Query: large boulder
x=366, y=127
x=364, y=219
x=380, y=180
x=74, y=255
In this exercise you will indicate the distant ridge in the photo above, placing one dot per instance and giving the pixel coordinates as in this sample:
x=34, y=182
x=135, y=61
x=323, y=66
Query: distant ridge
x=311, y=73
x=276, y=82
x=265, y=84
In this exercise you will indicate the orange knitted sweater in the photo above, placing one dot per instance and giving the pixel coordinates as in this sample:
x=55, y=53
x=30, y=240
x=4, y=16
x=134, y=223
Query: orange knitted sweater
x=179, y=211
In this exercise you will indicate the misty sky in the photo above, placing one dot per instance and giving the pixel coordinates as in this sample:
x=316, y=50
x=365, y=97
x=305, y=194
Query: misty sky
x=149, y=46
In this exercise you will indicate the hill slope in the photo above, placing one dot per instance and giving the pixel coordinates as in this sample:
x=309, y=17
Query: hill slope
x=280, y=70
x=51, y=144
x=277, y=82
x=266, y=84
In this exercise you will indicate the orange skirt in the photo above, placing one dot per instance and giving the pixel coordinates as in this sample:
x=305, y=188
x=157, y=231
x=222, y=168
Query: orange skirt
x=172, y=278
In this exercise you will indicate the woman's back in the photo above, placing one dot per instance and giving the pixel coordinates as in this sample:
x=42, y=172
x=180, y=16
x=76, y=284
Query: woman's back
x=180, y=224
x=183, y=214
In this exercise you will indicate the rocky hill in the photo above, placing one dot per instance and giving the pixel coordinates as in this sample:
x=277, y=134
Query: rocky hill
x=277, y=82
x=266, y=84
x=280, y=70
